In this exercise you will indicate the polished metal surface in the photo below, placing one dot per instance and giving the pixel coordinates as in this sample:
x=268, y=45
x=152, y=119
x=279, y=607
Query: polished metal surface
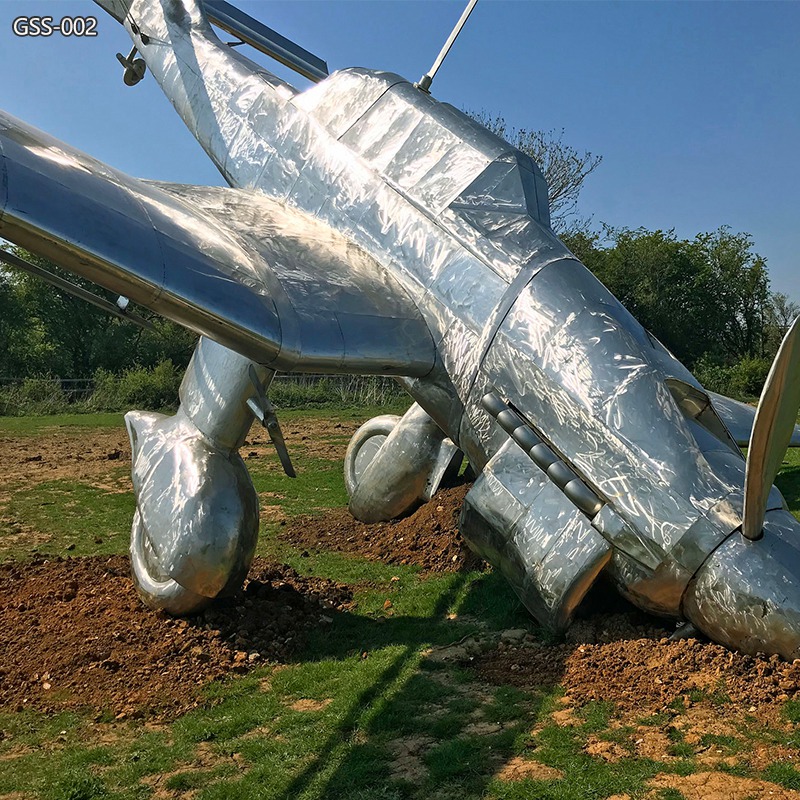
x=772, y=430
x=370, y=228
x=747, y=594
x=256, y=274
x=196, y=524
x=515, y=517
x=196, y=512
x=739, y=418
x=393, y=464
x=270, y=42
x=117, y=309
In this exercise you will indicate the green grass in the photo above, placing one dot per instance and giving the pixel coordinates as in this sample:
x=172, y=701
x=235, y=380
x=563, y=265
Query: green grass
x=372, y=682
x=319, y=485
x=788, y=481
x=77, y=519
x=20, y=426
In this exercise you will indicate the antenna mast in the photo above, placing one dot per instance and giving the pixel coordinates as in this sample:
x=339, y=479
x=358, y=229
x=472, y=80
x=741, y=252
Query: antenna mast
x=427, y=79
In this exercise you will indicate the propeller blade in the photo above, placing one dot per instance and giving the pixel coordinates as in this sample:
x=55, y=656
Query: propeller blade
x=772, y=430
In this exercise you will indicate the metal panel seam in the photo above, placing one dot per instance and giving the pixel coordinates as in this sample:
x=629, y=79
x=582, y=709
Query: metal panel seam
x=366, y=111
x=521, y=280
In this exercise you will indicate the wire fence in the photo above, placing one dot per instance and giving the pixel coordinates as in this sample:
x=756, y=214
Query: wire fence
x=73, y=388
x=20, y=396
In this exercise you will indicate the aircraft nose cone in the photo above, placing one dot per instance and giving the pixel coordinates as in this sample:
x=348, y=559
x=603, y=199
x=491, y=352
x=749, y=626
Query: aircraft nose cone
x=747, y=594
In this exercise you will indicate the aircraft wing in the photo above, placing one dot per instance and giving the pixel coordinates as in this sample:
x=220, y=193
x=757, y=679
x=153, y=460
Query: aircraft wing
x=739, y=417
x=257, y=275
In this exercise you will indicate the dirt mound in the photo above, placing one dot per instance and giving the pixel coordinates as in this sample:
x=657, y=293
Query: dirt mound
x=73, y=633
x=429, y=538
x=627, y=659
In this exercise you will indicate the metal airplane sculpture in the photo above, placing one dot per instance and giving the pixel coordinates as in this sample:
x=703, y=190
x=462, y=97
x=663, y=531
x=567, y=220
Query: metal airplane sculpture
x=371, y=229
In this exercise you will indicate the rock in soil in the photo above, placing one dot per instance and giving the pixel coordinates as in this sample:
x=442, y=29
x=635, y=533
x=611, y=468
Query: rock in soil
x=73, y=633
x=429, y=538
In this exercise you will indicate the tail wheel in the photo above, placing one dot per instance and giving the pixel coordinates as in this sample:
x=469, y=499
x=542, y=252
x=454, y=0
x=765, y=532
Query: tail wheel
x=364, y=446
x=155, y=587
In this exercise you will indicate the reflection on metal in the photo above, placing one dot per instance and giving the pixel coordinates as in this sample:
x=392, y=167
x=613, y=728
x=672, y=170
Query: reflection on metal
x=748, y=593
x=264, y=412
x=266, y=40
x=544, y=458
x=739, y=418
x=517, y=518
x=196, y=523
x=370, y=229
x=772, y=430
x=393, y=464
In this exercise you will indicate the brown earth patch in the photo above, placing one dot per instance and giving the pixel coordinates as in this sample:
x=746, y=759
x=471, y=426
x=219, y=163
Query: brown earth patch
x=606, y=750
x=429, y=538
x=483, y=728
x=671, y=695
x=74, y=454
x=652, y=743
x=635, y=666
x=205, y=761
x=313, y=437
x=306, y=704
x=722, y=786
x=518, y=768
x=73, y=634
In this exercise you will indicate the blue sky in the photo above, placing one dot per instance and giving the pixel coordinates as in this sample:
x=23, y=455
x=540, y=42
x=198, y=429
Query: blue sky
x=694, y=106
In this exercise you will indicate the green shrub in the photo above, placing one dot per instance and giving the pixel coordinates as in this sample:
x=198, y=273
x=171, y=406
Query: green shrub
x=152, y=388
x=141, y=387
x=749, y=376
x=34, y=396
x=299, y=391
x=742, y=380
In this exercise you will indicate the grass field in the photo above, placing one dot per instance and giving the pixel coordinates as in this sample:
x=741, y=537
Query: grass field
x=372, y=708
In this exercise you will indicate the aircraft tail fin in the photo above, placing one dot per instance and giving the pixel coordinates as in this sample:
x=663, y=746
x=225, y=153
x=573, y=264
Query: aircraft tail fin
x=264, y=39
x=117, y=8
x=246, y=28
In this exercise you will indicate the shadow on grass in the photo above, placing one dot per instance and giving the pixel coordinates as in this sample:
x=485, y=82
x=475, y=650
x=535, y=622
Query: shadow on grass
x=413, y=699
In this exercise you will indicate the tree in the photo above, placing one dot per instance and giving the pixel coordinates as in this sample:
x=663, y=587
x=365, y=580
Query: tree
x=46, y=331
x=12, y=326
x=564, y=167
x=706, y=297
x=782, y=313
x=655, y=276
x=741, y=296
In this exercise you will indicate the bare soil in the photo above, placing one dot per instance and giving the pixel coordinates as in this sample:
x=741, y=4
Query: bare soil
x=73, y=633
x=627, y=659
x=62, y=454
x=720, y=786
x=429, y=538
x=81, y=454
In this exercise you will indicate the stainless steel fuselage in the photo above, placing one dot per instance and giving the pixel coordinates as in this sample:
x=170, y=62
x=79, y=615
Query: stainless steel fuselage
x=434, y=206
x=461, y=219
